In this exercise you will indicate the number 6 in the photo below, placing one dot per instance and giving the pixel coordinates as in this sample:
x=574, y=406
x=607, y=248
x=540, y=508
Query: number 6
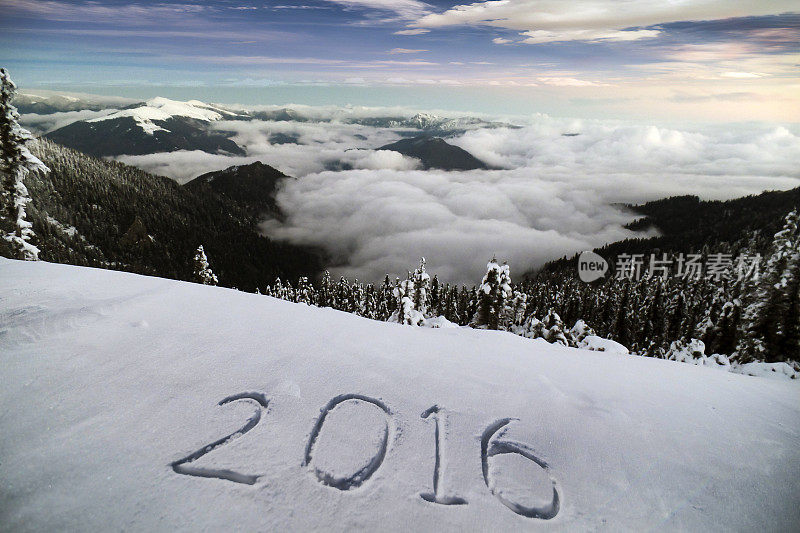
x=502, y=447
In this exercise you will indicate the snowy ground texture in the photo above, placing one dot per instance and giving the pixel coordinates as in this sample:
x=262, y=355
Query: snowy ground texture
x=110, y=396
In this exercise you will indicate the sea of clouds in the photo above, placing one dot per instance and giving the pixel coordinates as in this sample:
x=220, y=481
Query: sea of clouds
x=553, y=195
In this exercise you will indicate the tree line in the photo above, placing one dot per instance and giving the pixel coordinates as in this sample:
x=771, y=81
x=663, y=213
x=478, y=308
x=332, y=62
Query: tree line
x=746, y=318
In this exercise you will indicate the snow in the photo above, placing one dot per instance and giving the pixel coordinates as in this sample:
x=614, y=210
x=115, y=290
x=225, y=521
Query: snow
x=693, y=352
x=65, y=228
x=112, y=382
x=164, y=109
x=600, y=344
x=439, y=322
x=782, y=371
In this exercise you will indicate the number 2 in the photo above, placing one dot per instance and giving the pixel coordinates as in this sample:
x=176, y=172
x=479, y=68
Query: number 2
x=182, y=466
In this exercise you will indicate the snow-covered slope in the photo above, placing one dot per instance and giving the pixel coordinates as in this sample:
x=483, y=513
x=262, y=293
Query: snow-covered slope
x=161, y=109
x=111, y=385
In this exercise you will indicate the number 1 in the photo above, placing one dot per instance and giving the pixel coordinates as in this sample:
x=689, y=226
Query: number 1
x=434, y=412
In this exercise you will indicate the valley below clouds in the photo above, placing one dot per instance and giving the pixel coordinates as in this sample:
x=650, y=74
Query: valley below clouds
x=556, y=187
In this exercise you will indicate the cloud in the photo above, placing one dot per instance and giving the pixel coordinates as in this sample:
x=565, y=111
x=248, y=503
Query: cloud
x=134, y=13
x=416, y=31
x=319, y=146
x=405, y=9
x=742, y=75
x=40, y=124
x=563, y=81
x=405, y=51
x=385, y=219
x=718, y=97
x=555, y=196
x=582, y=20
x=500, y=40
x=209, y=33
x=548, y=36
x=299, y=7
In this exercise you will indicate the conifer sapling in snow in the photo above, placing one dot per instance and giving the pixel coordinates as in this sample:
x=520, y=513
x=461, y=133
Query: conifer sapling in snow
x=202, y=272
x=16, y=162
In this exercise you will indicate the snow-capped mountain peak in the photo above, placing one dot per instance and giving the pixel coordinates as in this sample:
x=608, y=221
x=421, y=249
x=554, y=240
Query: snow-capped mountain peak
x=425, y=120
x=161, y=109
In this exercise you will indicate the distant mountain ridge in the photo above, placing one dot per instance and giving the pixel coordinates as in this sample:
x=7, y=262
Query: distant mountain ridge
x=49, y=102
x=162, y=125
x=158, y=125
x=435, y=152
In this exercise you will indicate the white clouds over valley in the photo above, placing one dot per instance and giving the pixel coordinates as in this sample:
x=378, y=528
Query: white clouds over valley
x=553, y=196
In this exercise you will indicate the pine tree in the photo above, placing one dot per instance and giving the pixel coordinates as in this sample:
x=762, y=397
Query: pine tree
x=555, y=331
x=435, y=297
x=305, y=291
x=421, y=283
x=202, y=272
x=16, y=162
x=493, y=293
x=325, y=293
x=342, y=296
x=357, y=299
x=386, y=301
x=405, y=312
x=770, y=326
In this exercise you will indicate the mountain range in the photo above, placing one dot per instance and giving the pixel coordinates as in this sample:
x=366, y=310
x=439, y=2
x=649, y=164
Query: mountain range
x=163, y=125
x=91, y=212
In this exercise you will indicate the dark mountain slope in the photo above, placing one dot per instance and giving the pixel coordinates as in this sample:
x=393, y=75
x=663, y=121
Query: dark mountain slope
x=688, y=224
x=252, y=187
x=105, y=214
x=123, y=136
x=436, y=153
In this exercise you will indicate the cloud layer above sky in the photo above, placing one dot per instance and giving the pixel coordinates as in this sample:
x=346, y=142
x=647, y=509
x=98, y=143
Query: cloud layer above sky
x=554, y=197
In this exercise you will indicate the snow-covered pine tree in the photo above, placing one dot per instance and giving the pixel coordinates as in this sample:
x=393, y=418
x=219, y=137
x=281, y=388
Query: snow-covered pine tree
x=386, y=298
x=514, y=314
x=357, y=299
x=278, y=290
x=370, y=302
x=16, y=162
x=305, y=291
x=532, y=328
x=494, y=291
x=325, y=293
x=580, y=331
x=770, y=326
x=555, y=330
x=405, y=312
x=422, y=282
x=341, y=294
x=202, y=272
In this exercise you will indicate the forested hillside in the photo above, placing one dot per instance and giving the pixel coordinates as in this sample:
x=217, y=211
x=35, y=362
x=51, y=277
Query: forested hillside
x=687, y=224
x=87, y=211
x=251, y=187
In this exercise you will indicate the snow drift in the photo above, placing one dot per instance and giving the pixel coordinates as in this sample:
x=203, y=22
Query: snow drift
x=146, y=404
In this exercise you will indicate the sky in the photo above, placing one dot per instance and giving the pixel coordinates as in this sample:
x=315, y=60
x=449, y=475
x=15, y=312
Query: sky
x=702, y=60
